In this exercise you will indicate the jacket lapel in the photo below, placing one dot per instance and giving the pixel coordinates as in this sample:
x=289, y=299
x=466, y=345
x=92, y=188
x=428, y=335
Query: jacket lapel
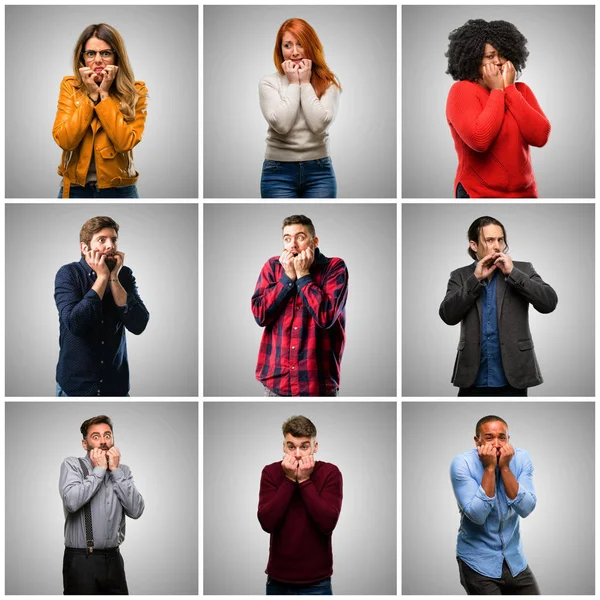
x=500, y=291
x=478, y=301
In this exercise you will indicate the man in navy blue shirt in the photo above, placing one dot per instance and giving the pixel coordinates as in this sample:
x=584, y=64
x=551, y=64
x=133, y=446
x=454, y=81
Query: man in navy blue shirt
x=493, y=485
x=490, y=299
x=97, y=299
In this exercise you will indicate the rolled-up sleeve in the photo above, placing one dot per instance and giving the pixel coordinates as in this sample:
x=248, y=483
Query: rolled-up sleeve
x=472, y=500
x=525, y=500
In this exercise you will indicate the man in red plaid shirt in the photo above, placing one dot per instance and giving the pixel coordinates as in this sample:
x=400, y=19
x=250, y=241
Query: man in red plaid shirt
x=300, y=300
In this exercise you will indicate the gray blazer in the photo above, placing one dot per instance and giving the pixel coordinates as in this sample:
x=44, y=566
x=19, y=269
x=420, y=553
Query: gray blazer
x=514, y=293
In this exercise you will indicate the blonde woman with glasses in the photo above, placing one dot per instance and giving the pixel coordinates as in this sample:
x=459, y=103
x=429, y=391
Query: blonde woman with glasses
x=100, y=118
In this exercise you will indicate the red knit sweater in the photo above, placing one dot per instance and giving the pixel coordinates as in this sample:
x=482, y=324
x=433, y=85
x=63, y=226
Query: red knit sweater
x=492, y=133
x=300, y=519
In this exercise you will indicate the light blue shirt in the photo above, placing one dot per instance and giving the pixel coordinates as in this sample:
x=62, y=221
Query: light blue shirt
x=489, y=527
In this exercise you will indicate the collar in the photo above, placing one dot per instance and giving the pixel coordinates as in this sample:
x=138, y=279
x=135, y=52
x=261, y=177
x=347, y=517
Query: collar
x=85, y=266
x=320, y=259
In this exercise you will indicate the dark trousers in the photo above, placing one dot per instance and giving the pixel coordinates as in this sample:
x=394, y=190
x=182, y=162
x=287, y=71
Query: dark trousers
x=461, y=192
x=505, y=390
x=99, y=572
x=524, y=584
x=278, y=588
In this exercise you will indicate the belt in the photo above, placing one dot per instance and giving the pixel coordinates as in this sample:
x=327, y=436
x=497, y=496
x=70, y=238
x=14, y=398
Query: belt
x=96, y=550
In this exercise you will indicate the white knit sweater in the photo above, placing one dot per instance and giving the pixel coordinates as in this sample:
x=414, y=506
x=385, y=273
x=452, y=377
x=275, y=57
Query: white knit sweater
x=298, y=120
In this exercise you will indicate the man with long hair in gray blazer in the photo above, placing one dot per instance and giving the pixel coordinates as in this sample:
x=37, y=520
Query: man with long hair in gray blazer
x=490, y=299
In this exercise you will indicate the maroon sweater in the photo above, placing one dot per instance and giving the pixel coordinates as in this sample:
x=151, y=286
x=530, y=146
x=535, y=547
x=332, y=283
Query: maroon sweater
x=300, y=519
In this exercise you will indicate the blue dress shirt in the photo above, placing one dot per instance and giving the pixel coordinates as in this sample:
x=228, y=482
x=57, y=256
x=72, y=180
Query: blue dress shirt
x=489, y=527
x=93, y=351
x=491, y=373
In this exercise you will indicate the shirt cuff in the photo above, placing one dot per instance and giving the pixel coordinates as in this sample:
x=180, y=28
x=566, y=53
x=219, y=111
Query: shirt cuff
x=92, y=295
x=302, y=281
x=517, y=498
x=98, y=471
x=483, y=496
x=286, y=281
x=117, y=474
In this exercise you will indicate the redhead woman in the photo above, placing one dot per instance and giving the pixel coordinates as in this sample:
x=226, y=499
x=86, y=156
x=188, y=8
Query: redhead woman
x=100, y=118
x=493, y=119
x=299, y=103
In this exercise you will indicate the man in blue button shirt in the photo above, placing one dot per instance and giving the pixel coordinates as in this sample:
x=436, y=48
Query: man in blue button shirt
x=490, y=298
x=493, y=485
x=97, y=299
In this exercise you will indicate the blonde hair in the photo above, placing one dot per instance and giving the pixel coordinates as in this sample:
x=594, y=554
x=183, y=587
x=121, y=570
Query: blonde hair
x=123, y=88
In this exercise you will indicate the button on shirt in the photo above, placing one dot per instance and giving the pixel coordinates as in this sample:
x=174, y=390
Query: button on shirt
x=489, y=527
x=491, y=373
x=301, y=348
x=113, y=495
x=93, y=351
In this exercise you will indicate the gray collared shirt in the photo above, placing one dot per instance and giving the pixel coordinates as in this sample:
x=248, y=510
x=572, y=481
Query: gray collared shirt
x=113, y=495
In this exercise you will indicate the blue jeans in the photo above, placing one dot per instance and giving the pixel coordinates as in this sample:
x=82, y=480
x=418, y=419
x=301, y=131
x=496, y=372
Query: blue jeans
x=277, y=588
x=60, y=393
x=305, y=179
x=91, y=190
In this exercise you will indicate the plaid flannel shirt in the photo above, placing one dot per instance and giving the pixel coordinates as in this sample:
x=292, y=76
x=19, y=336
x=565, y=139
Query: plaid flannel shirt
x=301, y=348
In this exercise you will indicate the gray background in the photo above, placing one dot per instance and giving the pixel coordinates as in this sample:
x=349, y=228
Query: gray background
x=560, y=71
x=558, y=537
x=558, y=239
x=241, y=438
x=360, y=48
x=160, y=243
x=162, y=44
x=239, y=239
x=157, y=440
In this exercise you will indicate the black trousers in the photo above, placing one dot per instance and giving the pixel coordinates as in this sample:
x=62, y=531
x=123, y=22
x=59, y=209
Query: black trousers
x=99, y=572
x=461, y=192
x=505, y=390
x=476, y=584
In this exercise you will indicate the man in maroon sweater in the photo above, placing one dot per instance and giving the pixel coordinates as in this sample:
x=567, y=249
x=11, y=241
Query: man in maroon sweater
x=299, y=505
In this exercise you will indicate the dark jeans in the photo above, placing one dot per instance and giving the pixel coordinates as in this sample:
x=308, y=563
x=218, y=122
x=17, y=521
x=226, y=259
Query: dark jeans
x=461, y=192
x=506, y=390
x=524, y=584
x=277, y=588
x=99, y=572
x=270, y=394
x=305, y=179
x=91, y=190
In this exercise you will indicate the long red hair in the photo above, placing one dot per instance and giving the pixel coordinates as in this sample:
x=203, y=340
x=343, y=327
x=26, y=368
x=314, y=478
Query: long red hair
x=321, y=77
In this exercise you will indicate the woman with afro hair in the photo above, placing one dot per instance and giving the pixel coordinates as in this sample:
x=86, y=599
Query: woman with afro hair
x=492, y=118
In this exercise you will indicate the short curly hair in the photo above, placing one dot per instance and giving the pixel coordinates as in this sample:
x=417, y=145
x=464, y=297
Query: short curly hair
x=467, y=46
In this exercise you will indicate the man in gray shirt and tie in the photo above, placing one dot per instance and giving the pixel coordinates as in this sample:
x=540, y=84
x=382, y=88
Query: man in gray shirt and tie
x=97, y=492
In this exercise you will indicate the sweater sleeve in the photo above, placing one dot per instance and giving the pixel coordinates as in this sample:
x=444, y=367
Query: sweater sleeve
x=279, y=107
x=477, y=127
x=319, y=114
x=523, y=105
x=273, y=500
x=324, y=508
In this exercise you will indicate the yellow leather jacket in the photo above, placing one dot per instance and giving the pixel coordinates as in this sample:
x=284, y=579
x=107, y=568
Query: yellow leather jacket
x=82, y=130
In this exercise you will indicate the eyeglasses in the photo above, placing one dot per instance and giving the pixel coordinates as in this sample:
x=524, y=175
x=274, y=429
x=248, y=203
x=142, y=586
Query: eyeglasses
x=104, y=54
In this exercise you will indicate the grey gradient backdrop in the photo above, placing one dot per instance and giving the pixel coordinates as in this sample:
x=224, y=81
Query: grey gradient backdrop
x=162, y=44
x=160, y=243
x=558, y=239
x=558, y=536
x=157, y=440
x=238, y=51
x=358, y=437
x=560, y=71
x=239, y=239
